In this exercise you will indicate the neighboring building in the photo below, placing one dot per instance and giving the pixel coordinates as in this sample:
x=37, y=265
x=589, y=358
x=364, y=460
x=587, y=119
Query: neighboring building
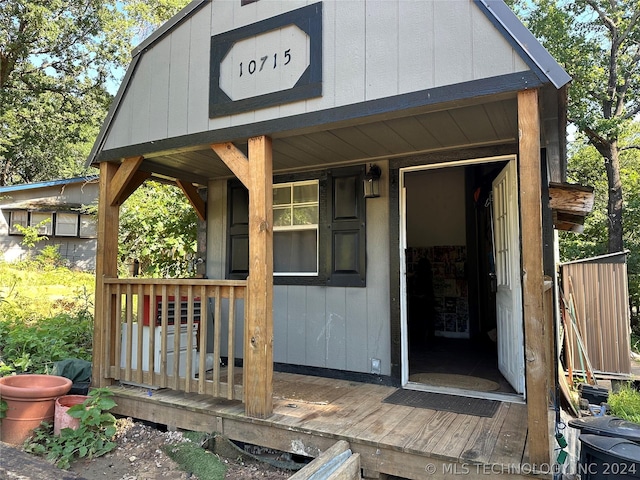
x=58, y=206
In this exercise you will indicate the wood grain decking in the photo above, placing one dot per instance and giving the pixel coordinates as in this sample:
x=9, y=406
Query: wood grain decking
x=312, y=413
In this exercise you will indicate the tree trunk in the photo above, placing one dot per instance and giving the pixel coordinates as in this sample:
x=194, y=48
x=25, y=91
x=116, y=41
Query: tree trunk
x=611, y=156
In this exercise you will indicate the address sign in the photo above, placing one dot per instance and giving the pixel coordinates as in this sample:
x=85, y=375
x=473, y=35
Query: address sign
x=275, y=61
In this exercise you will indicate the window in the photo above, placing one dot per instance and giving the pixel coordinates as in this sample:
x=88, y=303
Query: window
x=295, y=228
x=18, y=217
x=318, y=233
x=88, y=226
x=66, y=224
x=42, y=217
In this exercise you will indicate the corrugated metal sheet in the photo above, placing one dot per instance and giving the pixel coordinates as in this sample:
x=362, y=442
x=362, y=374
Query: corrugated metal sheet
x=599, y=291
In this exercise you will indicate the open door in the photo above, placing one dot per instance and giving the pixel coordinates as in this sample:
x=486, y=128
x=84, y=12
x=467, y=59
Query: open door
x=509, y=285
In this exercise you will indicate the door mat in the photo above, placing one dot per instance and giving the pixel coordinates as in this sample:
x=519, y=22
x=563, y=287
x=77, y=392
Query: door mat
x=467, y=382
x=478, y=407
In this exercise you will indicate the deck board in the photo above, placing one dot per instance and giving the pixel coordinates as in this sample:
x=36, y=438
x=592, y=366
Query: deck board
x=311, y=413
x=483, y=439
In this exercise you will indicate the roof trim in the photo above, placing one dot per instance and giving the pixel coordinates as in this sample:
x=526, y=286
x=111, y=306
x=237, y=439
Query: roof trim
x=599, y=259
x=49, y=183
x=530, y=49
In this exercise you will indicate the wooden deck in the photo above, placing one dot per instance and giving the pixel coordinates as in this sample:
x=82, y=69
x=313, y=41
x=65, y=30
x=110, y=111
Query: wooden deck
x=312, y=413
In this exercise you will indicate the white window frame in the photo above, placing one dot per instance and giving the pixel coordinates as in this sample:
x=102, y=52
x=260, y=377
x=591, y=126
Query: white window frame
x=18, y=217
x=63, y=227
x=292, y=227
x=88, y=226
x=36, y=217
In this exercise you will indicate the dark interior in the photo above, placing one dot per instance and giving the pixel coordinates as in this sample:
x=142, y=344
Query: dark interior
x=451, y=289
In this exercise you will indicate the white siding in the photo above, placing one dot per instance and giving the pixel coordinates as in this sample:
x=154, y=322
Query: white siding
x=372, y=49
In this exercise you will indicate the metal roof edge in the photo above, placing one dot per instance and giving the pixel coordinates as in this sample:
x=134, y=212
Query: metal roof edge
x=597, y=257
x=48, y=183
x=526, y=43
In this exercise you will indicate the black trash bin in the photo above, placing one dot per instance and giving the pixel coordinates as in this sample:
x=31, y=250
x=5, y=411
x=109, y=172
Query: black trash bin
x=603, y=458
x=608, y=426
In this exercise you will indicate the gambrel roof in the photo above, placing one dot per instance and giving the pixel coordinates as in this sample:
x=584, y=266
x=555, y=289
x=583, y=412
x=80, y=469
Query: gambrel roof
x=424, y=76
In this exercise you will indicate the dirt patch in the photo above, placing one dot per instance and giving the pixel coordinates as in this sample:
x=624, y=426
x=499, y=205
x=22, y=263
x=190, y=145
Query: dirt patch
x=140, y=455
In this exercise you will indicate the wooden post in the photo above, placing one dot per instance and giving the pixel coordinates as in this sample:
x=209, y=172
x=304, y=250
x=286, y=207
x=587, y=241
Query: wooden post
x=535, y=328
x=106, y=266
x=258, y=345
x=256, y=173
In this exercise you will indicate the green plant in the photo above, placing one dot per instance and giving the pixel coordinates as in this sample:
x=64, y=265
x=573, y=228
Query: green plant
x=31, y=234
x=625, y=403
x=93, y=438
x=192, y=458
x=49, y=257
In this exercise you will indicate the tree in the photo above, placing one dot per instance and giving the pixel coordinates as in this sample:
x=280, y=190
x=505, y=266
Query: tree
x=56, y=57
x=158, y=229
x=585, y=166
x=58, y=60
x=598, y=42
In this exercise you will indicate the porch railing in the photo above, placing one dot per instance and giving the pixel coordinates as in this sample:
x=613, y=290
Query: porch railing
x=160, y=334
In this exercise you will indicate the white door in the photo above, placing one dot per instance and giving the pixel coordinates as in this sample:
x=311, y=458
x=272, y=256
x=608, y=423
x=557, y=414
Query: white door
x=507, y=265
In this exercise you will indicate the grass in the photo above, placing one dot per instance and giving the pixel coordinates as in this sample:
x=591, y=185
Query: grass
x=625, y=403
x=192, y=458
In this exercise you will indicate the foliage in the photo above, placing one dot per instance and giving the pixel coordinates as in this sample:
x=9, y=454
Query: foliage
x=31, y=234
x=93, y=438
x=56, y=59
x=158, y=228
x=625, y=403
x=59, y=63
x=598, y=42
x=40, y=322
x=192, y=458
x=584, y=167
x=49, y=257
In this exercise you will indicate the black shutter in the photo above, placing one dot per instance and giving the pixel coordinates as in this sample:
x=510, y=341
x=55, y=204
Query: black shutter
x=346, y=250
x=238, y=240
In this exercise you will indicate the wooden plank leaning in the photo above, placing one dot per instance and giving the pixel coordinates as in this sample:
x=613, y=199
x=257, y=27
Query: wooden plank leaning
x=335, y=463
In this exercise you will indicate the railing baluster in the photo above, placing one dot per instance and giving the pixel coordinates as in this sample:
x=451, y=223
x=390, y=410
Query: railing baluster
x=152, y=334
x=129, y=319
x=216, y=341
x=107, y=338
x=116, y=326
x=189, y=356
x=231, y=345
x=163, y=338
x=139, y=321
x=202, y=333
x=177, y=333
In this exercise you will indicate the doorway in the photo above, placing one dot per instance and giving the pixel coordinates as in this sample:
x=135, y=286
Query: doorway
x=460, y=289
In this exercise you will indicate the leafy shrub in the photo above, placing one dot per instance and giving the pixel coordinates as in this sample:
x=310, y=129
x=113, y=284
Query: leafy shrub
x=49, y=257
x=45, y=316
x=625, y=403
x=34, y=347
x=93, y=438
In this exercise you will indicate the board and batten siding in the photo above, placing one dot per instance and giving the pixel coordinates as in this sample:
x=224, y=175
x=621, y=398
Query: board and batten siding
x=371, y=50
x=340, y=328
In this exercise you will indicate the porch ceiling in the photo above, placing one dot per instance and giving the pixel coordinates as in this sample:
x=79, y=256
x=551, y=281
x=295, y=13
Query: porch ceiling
x=372, y=138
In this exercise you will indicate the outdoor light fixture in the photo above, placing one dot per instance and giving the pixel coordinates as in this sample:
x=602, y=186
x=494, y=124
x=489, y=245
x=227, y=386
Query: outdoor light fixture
x=372, y=182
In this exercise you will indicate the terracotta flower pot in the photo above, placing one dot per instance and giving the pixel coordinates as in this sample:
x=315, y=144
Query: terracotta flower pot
x=30, y=400
x=62, y=418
